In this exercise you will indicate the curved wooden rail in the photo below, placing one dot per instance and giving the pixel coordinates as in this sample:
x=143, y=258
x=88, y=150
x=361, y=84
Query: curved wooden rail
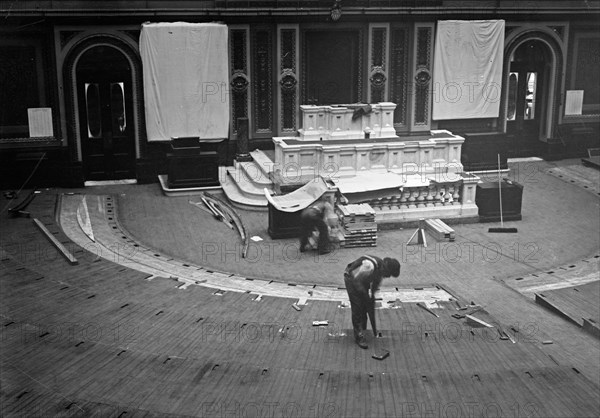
x=235, y=218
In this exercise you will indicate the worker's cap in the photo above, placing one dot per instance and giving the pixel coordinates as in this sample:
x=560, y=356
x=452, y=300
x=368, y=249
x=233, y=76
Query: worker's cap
x=391, y=267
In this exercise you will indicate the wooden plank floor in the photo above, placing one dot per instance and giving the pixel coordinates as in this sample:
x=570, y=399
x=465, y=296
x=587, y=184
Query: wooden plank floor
x=576, y=303
x=145, y=374
x=99, y=339
x=588, y=178
x=154, y=219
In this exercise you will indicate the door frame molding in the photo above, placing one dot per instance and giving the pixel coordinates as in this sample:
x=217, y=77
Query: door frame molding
x=71, y=61
x=556, y=76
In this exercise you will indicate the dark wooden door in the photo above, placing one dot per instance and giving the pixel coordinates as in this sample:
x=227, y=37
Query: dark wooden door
x=527, y=98
x=107, y=137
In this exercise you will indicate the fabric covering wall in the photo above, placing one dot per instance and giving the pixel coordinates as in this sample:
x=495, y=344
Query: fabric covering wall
x=185, y=68
x=467, y=71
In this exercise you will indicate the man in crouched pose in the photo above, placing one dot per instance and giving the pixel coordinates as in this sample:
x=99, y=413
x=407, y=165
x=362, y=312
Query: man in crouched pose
x=320, y=215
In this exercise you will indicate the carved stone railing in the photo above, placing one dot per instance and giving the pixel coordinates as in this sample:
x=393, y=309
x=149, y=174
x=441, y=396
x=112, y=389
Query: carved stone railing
x=448, y=199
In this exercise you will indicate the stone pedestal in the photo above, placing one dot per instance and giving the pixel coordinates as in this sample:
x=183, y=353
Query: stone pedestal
x=243, y=153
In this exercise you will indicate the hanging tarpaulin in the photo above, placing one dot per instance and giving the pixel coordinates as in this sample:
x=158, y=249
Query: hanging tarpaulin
x=185, y=80
x=467, y=73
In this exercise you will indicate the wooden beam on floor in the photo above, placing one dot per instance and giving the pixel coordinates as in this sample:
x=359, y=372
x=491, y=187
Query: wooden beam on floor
x=61, y=248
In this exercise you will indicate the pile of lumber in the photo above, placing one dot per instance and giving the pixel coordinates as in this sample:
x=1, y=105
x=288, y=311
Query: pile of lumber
x=439, y=229
x=357, y=227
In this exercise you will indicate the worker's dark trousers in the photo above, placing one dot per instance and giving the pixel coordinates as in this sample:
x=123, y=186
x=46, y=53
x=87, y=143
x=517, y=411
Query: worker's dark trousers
x=309, y=220
x=359, y=303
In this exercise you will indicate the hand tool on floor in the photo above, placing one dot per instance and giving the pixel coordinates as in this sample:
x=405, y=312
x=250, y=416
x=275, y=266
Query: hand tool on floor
x=379, y=353
x=371, y=314
x=502, y=228
x=420, y=305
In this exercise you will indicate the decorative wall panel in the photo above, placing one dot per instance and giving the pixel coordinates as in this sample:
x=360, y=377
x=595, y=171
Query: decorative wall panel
x=262, y=82
x=288, y=78
x=378, y=62
x=240, y=77
x=422, y=77
x=399, y=80
x=586, y=72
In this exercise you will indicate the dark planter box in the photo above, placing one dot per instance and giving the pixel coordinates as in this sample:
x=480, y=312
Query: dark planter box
x=194, y=162
x=488, y=201
x=200, y=170
x=283, y=224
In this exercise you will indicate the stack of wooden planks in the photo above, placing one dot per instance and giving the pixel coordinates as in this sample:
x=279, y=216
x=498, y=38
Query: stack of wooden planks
x=439, y=229
x=358, y=226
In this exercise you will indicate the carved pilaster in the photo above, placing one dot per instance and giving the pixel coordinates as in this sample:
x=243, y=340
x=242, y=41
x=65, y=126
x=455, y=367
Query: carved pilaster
x=422, y=76
x=378, y=62
x=242, y=141
x=262, y=81
x=287, y=87
x=398, y=84
x=240, y=80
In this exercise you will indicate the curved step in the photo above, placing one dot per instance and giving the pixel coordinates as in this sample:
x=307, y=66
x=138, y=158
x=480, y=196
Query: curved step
x=237, y=196
x=246, y=185
x=254, y=173
x=237, y=199
x=262, y=160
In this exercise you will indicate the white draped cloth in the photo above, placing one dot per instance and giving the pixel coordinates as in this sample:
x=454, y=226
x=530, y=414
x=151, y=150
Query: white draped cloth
x=186, y=80
x=467, y=69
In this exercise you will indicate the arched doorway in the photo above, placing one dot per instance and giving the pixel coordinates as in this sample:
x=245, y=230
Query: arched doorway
x=530, y=81
x=106, y=128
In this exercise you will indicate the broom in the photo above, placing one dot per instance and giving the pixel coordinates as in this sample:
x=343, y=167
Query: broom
x=502, y=228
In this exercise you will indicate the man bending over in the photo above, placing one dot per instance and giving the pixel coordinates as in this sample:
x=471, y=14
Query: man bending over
x=362, y=278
